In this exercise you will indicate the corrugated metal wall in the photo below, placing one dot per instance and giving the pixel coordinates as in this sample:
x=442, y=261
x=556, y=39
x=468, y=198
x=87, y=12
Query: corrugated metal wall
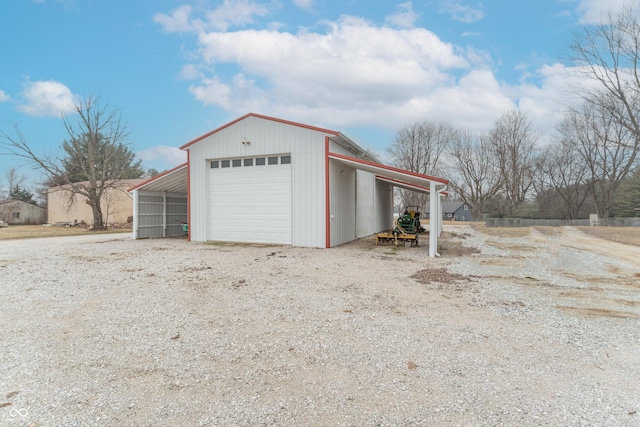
x=159, y=214
x=262, y=137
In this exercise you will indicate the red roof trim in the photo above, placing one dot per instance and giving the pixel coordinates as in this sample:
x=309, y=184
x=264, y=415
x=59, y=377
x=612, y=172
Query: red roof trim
x=157, y=176
x=393, y=180
x=260, y=116
x=389, y=168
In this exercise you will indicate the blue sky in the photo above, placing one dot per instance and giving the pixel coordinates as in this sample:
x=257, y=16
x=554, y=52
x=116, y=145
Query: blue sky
x=177, y=69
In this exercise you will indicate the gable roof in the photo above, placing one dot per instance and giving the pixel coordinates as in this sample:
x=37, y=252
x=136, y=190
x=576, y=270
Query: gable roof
x=260, y=116
x=13, y=201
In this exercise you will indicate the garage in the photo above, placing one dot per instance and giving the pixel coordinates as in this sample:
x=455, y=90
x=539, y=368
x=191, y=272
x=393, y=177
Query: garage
x=250, y=199
x=261, y=179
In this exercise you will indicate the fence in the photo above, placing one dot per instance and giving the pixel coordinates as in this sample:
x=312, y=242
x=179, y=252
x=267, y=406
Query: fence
x=521, y=222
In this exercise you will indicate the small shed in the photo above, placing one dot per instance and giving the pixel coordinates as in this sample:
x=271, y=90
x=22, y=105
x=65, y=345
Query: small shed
x=19, y=212
x=453, y=211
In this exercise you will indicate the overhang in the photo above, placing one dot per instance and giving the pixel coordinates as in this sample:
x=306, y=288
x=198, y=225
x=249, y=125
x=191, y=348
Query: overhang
x=172, y=181
x=421, y=182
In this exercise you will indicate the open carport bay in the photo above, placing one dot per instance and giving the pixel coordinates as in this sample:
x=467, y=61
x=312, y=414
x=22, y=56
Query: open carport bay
x=524, y=330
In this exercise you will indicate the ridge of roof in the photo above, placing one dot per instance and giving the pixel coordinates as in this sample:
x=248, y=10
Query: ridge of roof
x=259, y=116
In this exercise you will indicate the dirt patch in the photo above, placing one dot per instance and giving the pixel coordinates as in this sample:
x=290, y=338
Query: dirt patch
x=592, y=311
x=626, y=235
x=502, y=231
x=440, y=275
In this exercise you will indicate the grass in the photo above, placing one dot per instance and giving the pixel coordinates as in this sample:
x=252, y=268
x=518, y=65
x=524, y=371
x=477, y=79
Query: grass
x=32, y=231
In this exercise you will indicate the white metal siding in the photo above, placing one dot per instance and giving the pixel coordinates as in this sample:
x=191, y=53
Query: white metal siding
x=365, y=204
x=307, y=148
x=343, y=203
x=251, y=203
x=384, y=206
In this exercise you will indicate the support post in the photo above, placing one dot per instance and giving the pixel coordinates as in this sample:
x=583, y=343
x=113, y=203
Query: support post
x=433, y=219
x=136, y=213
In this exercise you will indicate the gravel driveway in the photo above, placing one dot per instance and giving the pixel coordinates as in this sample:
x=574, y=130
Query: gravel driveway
x=106, y=331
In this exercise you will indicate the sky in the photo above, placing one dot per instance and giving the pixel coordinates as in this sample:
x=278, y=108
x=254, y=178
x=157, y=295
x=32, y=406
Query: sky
x=177, y=69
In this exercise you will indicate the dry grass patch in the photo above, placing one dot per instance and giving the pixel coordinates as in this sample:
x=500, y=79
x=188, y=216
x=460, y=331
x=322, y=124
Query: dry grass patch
x=32, y=231
x=626, y=235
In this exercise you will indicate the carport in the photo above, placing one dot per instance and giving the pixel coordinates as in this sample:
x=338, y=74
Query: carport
x=160, y=204
x=433, y=186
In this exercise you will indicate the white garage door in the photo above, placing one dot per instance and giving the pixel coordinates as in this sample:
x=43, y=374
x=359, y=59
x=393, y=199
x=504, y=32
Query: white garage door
x=250, y=199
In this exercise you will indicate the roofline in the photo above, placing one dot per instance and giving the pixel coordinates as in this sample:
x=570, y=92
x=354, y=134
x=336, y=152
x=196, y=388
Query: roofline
x=259, y=116
x=397, y=181
x=390, y=168
x=158, y=176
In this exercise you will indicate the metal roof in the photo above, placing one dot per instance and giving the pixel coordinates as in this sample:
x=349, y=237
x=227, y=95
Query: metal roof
x=404, y=176
x=172, y=181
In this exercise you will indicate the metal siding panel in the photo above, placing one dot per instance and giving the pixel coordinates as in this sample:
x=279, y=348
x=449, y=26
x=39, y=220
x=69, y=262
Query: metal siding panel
x=383, y=206
x=306, y=147
x=343, y=206
x=365, y=201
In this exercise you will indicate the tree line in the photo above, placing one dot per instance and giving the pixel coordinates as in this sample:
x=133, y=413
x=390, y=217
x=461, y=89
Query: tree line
x=591, y=165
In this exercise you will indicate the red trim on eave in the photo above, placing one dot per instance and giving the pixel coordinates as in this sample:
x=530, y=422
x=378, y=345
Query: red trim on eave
x=260, y=116
x=189, y=195
x=389, y=168
x=156, y=177
x=392, y=180
x=327, y=198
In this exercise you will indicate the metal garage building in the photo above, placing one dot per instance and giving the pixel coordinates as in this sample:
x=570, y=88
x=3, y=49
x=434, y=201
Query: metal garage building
x=266, y=180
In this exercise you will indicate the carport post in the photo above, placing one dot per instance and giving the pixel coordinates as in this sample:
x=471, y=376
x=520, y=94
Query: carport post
x=136, y=212
x=435, y=218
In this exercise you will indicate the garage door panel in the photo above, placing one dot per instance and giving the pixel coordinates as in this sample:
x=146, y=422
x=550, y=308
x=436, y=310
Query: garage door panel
x=251, y=204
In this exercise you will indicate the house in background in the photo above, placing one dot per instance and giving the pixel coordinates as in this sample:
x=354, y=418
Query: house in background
x=267, y=180
x=65, y=207
x=453, y=211
x=19, y=212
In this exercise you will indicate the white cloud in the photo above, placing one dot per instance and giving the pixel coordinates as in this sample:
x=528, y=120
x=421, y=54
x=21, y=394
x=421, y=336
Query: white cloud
x=231, y=13
x=405, y=17
x=304, y=4
x=47, y=98
x=4, y=97
x=162, y=156
x=592, y=11
x=461, y=12
x=353, y=73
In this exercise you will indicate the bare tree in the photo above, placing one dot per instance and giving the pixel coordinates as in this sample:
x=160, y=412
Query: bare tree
x=95, y=157
x=418, y=147
x=609, y=55
x=514, y=148
x=563, y=176
x=606, y=147
x=14, y=179
x=475, y=177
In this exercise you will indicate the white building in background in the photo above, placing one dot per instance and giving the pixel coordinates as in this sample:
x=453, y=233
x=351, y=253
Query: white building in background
x=266, y=180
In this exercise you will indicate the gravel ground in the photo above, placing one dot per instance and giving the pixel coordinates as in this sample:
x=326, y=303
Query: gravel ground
x=105, y=331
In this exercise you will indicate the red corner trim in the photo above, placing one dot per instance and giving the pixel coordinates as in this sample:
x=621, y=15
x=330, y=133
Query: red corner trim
x=327, y=198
